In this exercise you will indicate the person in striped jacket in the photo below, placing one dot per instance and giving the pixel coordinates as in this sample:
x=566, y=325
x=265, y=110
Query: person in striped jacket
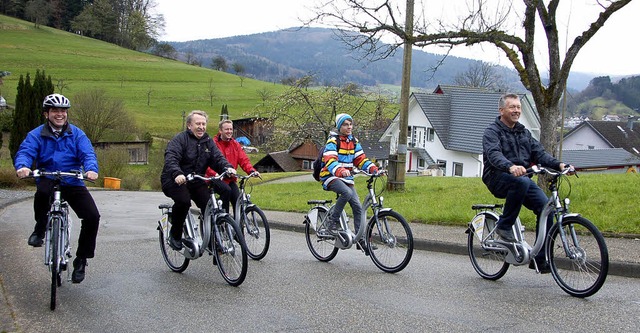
x=342, y=153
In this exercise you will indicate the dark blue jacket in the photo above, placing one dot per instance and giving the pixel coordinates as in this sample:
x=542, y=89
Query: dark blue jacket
x=503, y=147
x=71, y=151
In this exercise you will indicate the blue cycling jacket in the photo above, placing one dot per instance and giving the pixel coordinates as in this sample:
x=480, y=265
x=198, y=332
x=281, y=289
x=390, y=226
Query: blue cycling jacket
x=71, y=151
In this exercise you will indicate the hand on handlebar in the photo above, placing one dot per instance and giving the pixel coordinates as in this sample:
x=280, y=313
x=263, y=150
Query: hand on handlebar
x=23, y=172
x=180, y=179
x=255, y=173
x=92, y=175
x=517, y=170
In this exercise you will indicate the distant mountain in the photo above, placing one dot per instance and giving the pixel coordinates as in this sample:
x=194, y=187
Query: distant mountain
x=274, y=56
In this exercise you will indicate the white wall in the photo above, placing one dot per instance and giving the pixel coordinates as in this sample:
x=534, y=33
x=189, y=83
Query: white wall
x=582, y=139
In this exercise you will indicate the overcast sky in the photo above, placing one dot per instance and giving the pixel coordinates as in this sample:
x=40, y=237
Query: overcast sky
x=614, y=50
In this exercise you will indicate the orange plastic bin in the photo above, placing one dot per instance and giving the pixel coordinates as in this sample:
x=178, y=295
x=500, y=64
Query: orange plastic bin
x=112, y=183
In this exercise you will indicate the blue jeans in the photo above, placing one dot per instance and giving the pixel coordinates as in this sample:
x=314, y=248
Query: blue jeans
x=348, y=194
x=517, y=191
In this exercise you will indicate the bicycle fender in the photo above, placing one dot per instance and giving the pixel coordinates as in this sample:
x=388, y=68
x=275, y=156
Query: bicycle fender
x=572, y=215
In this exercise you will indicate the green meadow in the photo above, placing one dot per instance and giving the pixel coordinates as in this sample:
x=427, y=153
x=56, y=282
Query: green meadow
x=154, y=89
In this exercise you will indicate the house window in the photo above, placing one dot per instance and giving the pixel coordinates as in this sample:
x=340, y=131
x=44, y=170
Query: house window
x=592, y=147
x=431, y=134
x=420, y=163
x=442, y=164
x=307, y=164
x=457, y=169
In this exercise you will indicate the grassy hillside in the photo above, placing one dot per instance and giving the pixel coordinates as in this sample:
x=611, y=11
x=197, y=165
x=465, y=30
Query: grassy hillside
x=82, y=63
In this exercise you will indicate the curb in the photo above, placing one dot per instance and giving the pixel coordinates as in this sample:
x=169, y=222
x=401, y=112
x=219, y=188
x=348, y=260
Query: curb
x=617, y=268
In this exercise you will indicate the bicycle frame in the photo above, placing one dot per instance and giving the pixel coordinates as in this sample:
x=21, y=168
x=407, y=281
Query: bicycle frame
x=370, y=201
x=554, y=208
x=58, y=217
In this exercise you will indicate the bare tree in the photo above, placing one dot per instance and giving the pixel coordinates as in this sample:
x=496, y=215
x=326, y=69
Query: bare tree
x=238, y=68
x=97, y=114
x=485, y=23
x=481, y=74
x=300, y=114
x=211, y=92
x=219, y=63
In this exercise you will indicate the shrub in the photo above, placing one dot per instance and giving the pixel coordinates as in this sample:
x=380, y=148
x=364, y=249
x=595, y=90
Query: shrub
x=112, y=163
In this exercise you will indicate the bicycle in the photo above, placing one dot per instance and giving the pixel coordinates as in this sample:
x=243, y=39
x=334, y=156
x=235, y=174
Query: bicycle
x=387, y=236
x=574, y=247
x=57, y=249
x=215, y=233
x=252, y=221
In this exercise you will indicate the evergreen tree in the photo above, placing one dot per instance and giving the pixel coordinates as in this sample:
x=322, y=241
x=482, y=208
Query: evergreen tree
x=28, y=110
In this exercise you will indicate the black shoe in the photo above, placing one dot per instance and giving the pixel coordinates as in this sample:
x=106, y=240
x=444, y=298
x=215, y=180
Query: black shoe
x=506, y=235
x=175, y=244
x=35, y=240
x=543, y=266
x=79, y=265
x=361, y=245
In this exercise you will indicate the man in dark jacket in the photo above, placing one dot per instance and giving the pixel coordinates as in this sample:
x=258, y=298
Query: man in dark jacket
x=509, y=149
x=191, y=151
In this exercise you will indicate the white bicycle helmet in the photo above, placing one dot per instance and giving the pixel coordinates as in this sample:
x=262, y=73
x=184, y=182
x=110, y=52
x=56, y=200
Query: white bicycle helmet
x=55, y=101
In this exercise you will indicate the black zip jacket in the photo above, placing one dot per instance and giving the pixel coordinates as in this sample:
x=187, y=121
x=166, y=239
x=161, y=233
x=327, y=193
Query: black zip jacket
x=187, y=154
x=503, y=147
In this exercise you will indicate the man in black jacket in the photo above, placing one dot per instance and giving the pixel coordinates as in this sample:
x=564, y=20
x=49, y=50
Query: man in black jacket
x=191, y=151
x=509, y=149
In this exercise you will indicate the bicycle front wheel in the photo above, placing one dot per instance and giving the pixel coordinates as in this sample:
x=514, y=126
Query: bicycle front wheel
x=582, y=269
x=176, y=261
x=54, y=264
x=319, y=241
x=256, y=232
x=390, y=241
x=488, y=262
x=230, y=252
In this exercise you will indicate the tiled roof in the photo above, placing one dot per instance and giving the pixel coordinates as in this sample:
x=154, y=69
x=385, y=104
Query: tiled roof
x=374, y=149
x=616, y=133
x=598, y=158
x=459, y=115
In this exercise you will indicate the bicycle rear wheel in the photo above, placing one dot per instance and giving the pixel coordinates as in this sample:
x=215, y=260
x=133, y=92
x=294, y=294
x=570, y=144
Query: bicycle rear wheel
x=54, y=264
x=256, y=232
x=230, y=251
x=581, y=272
x=489, y=263
x=176, y=261
x=320, y=243
x=390, y=241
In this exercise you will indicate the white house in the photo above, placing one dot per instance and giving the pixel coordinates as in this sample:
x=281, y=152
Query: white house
x=446, y=128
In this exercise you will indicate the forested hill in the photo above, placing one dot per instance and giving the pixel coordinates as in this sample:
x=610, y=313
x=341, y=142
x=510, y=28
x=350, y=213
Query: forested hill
x=276, y=56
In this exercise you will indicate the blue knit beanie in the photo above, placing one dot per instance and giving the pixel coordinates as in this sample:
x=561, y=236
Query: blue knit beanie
x=341, y=118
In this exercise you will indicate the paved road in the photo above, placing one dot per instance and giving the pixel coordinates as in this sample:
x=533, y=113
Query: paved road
x=129, y=288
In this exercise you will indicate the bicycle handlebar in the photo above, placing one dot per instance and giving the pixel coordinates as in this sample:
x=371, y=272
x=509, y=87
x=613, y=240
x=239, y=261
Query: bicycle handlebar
x=381, y=172
x=192, y=176
x=537, y=169
x=59, y=174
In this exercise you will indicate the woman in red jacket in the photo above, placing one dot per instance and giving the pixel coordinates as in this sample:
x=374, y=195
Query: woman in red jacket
x=233, y=152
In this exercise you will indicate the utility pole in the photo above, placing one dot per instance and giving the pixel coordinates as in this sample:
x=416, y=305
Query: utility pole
x=398, y=161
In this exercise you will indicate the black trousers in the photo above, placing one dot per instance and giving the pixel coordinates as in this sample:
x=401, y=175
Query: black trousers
x=182, y=196
x=229, y=194
x=82, y=204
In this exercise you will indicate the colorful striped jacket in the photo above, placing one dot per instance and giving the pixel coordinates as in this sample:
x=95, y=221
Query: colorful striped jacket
x=342, y=152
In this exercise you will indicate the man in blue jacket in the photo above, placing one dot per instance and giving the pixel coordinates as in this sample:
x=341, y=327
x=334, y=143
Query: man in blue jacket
x=58, y=145
x=509, y=149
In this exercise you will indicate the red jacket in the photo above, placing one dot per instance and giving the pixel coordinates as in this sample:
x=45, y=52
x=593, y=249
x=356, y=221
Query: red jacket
x=232, y=151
